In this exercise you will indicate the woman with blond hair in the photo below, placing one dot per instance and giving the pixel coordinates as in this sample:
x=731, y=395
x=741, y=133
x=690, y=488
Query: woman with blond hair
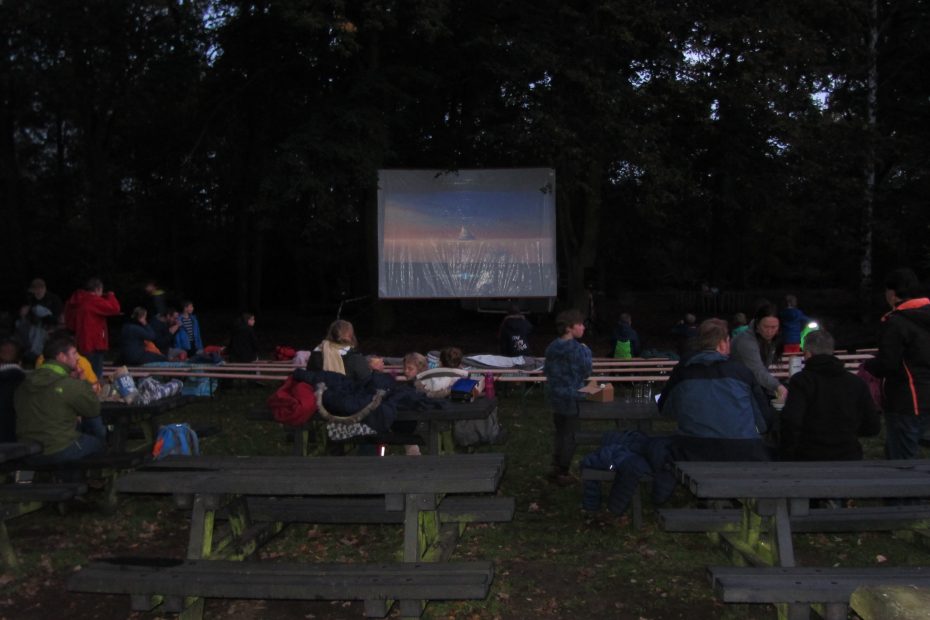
x=338, y=353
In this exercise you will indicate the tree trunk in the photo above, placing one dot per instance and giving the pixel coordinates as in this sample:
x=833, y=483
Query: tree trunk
x=868, y=207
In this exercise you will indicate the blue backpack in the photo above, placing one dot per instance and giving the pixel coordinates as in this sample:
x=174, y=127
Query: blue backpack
x=175, y=439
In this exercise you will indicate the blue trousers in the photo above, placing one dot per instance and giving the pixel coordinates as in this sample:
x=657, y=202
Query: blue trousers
x=902, y=433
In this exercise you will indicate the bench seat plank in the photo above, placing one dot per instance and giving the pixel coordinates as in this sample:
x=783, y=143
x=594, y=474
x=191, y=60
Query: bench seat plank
x=296, y=581
x=735, y=584
x=858, y=519
x=453, y=508
x=40, y=492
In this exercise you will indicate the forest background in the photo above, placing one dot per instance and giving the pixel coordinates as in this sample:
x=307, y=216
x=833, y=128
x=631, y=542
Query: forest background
x=231, y=148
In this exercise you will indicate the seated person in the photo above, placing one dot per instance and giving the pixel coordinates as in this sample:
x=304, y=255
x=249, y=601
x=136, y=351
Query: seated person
x=514, y=333
x=438, y=382
x=136, y=342
x=624, y=343
x=828, y=408
x=414, y=364
x=11, y=375
x=721, y=410
x=84, y=371
x=58, y=411
x=337, y=353
x=166, y=326
x=243, y=344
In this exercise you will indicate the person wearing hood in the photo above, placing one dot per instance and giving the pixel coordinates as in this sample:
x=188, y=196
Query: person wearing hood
x=86, y=315
x=58, y=411
x=719, y=406
x=828, y=408
x=137, y=340
x=567, y=366
x=903, y=362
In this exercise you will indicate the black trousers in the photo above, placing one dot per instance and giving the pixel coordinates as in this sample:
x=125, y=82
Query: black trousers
x=564, y=447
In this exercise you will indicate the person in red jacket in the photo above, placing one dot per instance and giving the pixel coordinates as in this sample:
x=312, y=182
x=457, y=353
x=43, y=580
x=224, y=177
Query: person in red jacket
x=86, y=315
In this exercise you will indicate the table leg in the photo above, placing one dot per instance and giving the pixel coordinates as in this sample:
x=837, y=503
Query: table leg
x=783, y=544
x=421, y=525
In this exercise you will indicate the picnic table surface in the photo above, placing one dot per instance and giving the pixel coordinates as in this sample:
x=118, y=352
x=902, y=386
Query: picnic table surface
x=813, y=479
x=778, y=490
x=121, y=416
x=287, y=475
x=12, y=451
x=619, y=409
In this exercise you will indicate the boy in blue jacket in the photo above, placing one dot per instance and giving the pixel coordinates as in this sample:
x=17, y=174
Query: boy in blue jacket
x=568, y=364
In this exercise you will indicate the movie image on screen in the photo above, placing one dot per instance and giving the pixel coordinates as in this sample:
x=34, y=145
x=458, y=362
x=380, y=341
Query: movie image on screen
x=466, y=233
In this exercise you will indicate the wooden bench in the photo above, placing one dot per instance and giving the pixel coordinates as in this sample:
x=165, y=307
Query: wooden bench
x=349, y=509
x=313, y=432
x=106, y=467
x=802, y=586
x=378, y=585
x=857, y=519
x=20, y=499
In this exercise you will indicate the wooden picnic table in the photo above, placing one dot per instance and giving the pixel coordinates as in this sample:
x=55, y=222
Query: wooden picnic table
x=15, y=450
x=776, y=502
x=121, y=417
x=407, y=490
x=439, y=421
x=785, y=489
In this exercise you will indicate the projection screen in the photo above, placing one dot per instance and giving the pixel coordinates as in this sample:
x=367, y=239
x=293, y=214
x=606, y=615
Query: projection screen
x=466, y=233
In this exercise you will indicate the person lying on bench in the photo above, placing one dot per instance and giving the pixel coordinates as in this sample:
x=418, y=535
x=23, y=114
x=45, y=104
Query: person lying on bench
x=58, y=411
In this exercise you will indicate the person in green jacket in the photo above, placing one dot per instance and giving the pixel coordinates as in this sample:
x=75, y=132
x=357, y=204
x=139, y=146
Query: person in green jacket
x=58, y=411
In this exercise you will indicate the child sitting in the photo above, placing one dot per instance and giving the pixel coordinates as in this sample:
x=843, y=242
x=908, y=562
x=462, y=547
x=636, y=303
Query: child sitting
x=438, y=382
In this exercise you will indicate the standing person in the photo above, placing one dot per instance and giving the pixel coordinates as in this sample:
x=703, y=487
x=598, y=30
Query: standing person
x=903, y=361
x=243, y=343
x=720, y=409
x=86, y=316
x=568, y=364
x=156, y=303
x=11, y=375
x=625, y=341
x=39, y=314
x=792, y=321
x=758, y=347
x=58, y=411
x=514, y=333
x=828, y=408
x=187, y=338
x=685, y=334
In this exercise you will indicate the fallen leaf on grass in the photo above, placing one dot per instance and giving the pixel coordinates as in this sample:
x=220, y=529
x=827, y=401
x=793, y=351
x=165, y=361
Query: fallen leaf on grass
x=534, y=507
x=880, y=558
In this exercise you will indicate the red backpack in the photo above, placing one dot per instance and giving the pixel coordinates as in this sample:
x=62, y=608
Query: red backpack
x=293, y=403
x=282, y=353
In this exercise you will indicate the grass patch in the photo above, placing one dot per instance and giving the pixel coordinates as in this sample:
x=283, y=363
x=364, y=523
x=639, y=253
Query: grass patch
x=552, y=561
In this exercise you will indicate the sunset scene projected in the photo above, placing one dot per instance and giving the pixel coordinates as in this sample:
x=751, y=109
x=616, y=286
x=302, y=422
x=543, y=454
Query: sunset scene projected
x=467, y=234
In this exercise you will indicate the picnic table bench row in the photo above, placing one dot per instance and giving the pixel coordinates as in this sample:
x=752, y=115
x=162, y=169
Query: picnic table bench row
x=238, y=503
x=776, y=503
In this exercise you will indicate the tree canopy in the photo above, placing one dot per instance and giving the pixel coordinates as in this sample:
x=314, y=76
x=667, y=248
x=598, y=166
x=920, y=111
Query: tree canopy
x=232, y=147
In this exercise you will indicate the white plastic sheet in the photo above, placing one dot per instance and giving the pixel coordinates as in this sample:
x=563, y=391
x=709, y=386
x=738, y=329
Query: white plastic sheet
x=467, y=233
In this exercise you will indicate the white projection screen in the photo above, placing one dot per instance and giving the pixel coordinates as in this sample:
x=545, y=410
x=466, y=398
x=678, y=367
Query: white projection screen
x=466, y=233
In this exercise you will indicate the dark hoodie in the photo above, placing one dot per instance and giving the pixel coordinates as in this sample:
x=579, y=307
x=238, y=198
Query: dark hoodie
x=827, y=410
x=903, y=359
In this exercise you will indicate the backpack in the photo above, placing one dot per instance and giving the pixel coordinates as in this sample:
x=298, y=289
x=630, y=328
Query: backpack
x=283, y=353
x=293, y=403
x=464, y=390
x=179, y=439
x=623, y=350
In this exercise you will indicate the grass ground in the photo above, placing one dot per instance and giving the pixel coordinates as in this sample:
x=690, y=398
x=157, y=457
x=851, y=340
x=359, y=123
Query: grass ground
x=553, y=560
